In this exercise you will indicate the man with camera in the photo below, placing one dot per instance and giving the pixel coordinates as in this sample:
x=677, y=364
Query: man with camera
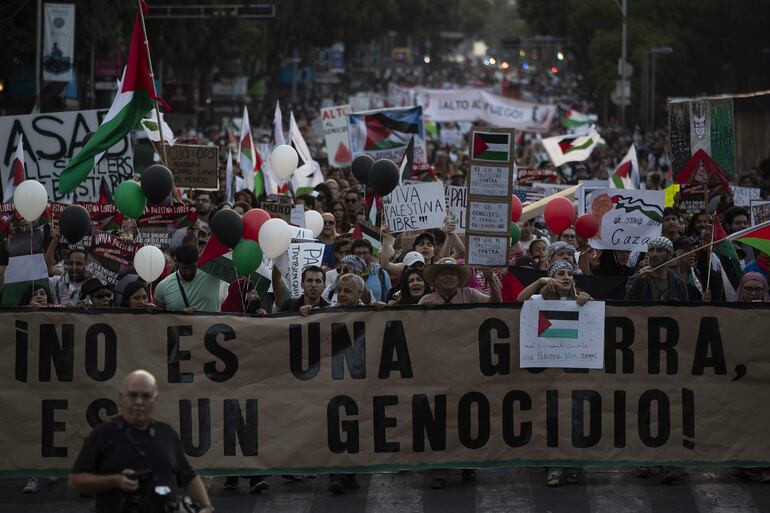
x=134, y=463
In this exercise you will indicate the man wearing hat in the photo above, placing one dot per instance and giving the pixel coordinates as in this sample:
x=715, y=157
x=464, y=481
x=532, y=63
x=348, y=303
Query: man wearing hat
x=95, y=293
x=657, y=282
x=450, y=279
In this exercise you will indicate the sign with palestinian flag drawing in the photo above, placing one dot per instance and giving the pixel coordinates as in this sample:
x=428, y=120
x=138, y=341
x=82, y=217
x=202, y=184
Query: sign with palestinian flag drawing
x=385, y=133
x=628, y=218
x=488, y=205
x=562, y=334
x=492, y=147
x=335, y=124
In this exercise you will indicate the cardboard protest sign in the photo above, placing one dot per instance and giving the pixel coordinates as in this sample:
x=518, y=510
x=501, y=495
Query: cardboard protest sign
x=194, y=166
x=743, y=195
x=335, y=127
x=159, y=223
x=297, y=216
x=561, y=334
x=355, y=390
x=297, y=257
x=760, y=211
x=277, y=209
x=51, y=140
x=628, y=218
x=488, y=214
x=418, y=206
x=456, y=198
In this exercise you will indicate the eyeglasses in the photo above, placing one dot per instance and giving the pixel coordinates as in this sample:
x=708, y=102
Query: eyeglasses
x=754, y=290
x=135, y=396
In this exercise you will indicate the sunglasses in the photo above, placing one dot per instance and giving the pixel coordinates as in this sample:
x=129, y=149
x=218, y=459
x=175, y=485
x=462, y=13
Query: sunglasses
x=106, y=295
x=345, y=270
x=351, y=200
x=328, y=223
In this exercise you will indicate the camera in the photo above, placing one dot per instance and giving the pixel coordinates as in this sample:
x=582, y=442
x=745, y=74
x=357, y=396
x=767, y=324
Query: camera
x=152, y=497
x=139, y=500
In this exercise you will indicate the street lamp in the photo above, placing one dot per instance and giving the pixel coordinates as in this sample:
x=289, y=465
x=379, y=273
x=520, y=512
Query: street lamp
x=622, y=5
x=663, y=50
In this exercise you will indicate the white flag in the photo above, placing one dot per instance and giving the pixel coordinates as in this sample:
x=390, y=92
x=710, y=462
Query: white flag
x=309, y=173
x=150, y=125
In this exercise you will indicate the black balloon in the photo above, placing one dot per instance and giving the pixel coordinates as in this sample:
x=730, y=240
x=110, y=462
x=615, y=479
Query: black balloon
x=227, y=226
x=74, y=223
x=157, y=183
x=360, y=167
x=383, y=176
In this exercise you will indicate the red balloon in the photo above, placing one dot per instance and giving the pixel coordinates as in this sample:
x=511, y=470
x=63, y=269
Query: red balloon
x=587, y=226
x=515, y=208
x=252, y=221
x=559, y=214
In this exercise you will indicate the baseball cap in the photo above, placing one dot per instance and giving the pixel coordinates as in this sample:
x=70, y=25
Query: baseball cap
x=412, y=258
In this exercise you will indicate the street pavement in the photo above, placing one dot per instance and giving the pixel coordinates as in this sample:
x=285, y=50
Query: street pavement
x=523, y=490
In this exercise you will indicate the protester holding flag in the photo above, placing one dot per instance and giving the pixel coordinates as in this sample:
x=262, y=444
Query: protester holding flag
x=657, y=282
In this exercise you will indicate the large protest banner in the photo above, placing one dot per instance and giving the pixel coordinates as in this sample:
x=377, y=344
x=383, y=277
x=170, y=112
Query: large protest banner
x=359, y=390
x=51, y=140
x=629, y=218
x=471, y=104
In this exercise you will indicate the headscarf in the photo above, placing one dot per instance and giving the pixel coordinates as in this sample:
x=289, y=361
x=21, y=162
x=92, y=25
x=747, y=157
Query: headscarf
x=559, y=246
x=558, y=265
x=661, y=242
x=749, y=277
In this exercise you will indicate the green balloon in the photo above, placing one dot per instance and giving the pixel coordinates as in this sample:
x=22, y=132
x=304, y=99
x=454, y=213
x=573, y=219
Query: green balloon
x=130, y=199
x=247, y=256
x=515, y=233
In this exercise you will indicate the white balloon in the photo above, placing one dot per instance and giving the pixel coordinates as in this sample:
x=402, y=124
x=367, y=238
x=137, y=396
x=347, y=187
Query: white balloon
x=149, y=263
x=314, y=221
x=30, y=199
x=274, y=237
x=284, y=160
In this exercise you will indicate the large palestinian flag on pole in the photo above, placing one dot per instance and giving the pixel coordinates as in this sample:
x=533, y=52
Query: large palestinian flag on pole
x=131, y=104
x=385, y=133
x=17, y=174
x=26, y=266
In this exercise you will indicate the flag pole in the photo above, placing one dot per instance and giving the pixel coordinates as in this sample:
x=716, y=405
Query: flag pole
x=711, y=251
x=152, y=77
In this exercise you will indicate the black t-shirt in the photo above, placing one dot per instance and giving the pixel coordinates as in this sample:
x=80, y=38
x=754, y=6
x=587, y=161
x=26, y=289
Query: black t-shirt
x=114, y=446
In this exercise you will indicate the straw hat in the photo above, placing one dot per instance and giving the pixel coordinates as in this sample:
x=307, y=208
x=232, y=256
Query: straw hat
x=430, y=273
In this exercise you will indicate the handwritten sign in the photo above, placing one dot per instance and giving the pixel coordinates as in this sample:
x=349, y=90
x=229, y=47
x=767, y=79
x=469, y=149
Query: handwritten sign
x=298, y=216
x=490, y=181
x=194, y=166
x=277, y=209
x=489, y=217
x=487, y=251
x=628, y=218
x=456, y=205
x=744, y=195
x=335, y=126
x=419, y=206
x=301, y=255
x=561, y=334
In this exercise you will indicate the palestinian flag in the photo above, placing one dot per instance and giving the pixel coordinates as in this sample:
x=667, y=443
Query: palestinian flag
x=26, y=266
x=17, y=174
x=369, y=232
x=249, y=158
x=758, y=237
x=385, y=133
x=217, y=260
x=131, y=104
x=491, y=146
x=626, y=175
x=558, y=324
x=575, y=119
x=570, y=148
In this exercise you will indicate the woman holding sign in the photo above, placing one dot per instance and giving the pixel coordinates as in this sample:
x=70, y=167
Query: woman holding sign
x=558, y=285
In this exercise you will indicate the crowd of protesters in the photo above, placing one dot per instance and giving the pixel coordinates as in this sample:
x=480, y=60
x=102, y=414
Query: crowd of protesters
x=427, y=267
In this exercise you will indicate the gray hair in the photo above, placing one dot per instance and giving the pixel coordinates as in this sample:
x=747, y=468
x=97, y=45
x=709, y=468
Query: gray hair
x=358, y=282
